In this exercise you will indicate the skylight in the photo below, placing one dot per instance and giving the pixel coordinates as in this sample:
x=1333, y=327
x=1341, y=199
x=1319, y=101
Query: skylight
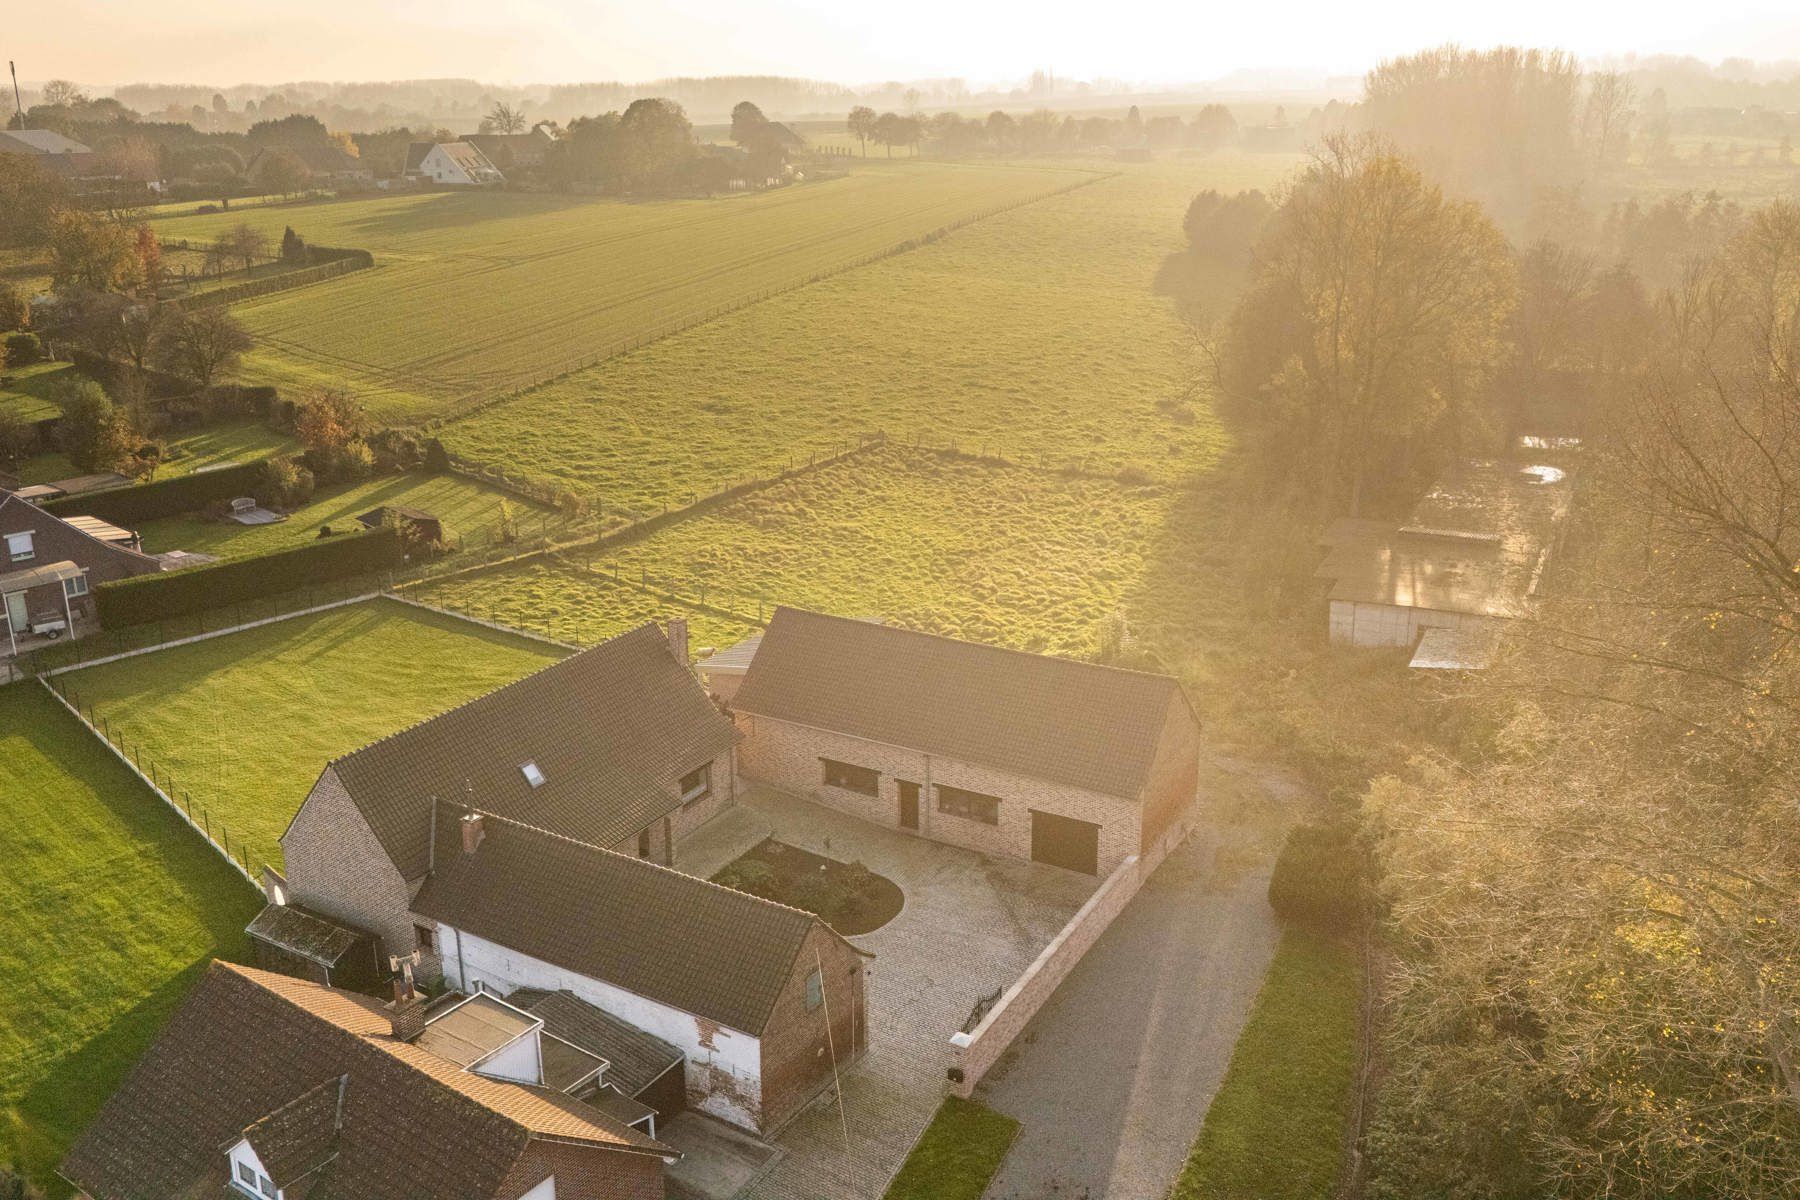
x=533, y=776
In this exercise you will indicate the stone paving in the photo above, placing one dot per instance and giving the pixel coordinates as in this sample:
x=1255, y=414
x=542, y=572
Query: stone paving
x=971, y=924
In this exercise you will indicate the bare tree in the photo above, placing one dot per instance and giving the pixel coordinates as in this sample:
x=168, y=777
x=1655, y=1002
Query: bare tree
x=205, y=343
x=504, y=118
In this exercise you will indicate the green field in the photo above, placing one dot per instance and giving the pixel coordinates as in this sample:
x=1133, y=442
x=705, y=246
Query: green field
x=232, y=442
x=244, y=723
x=109, y=908
x=475, y=294
x=1275, y=1131
x=1037, y=332
x=998, y=554
x=464, y=505
x=25, y=391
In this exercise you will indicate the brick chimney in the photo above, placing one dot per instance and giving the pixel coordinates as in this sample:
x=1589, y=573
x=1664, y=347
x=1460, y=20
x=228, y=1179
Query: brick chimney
x=473, y=830
x=678, y=639
x=406, y=1015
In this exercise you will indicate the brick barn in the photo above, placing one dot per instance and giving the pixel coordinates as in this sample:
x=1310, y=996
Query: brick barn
x=1069, y=763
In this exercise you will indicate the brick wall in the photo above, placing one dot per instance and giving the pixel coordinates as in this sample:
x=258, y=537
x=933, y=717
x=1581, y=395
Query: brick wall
x=584, y=1173
x=975, y=1052
x=797, y=1054
x=1174, y=782
x=786, y=756
x=336, y=866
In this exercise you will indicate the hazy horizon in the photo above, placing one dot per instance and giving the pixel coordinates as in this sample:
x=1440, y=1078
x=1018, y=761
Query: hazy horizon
x=221, y=43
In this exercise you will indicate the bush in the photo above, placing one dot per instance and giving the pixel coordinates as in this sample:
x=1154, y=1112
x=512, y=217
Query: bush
x=1319, y=881
x=756, y=878
x=128, y=506
x=284, y=484
x=178, y=593
x=15, y=309
x=23, y=349
x=15, y=1186
x=437, y=459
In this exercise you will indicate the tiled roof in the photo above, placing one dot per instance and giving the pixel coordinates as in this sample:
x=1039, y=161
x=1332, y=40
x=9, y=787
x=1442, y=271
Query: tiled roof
x=245, y=1044
x=673, y=938
x=1056, y=719
x=636, y=1059
x=612, y=729
x=40, y=141
x=301, y=1136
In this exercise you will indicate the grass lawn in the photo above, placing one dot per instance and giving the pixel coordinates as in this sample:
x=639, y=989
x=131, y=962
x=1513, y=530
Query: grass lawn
x=109, y=907
x=958, y=1154
x=25, y=391
x=464, y=505
x=1038, y=332
x=244, y=723
x=232, y=442
x=1275, y=1131
x=573, y=605
x=478, y=293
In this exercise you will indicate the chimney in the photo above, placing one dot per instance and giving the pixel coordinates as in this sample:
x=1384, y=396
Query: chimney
x=473, y=830
x=678, y=639
x=406, y=1015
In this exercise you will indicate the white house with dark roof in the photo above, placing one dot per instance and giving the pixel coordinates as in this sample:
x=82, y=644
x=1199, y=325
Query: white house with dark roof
x=451, y=164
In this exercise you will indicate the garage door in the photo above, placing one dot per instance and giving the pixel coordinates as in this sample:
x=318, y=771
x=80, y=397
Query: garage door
x=1065, y=842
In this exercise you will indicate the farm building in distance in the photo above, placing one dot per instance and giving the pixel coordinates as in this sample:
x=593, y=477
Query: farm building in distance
x=1468, y=558
x=451, y=164
x=50, y=150
x=1025, y=755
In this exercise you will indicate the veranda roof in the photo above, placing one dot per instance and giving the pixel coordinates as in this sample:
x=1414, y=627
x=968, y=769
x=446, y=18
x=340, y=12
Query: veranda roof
x=30, y=577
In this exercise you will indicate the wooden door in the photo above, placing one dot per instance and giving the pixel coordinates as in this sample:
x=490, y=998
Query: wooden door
x=1065, y=842
x=909, y=803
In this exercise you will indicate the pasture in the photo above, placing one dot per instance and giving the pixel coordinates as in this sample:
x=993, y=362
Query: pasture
x=244, y=723
x=25, y=392
x=477, y=294
x=109, y=906
x=1038, y=333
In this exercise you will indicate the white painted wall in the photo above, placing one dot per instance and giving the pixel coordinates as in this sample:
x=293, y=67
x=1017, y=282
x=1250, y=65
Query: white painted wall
x=543, y=1191
x=724, y=1066
x=242, y=1153
x=520, y=1060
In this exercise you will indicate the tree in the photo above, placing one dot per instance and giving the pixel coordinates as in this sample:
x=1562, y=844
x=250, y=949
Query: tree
x=61, y=93
x=30, y=198
x=652, y=138
x=282, y=172
x=143, y=333
x=1606, y=117
x=150, y=259
x=890, y=131
x=1001, y=130
x=862, y=126
x=92, y=432
x=1372, y=324
x=248, y=243
x=219, y=104
x=504, y=118
x=92, y=252
x=328, y=421
x=15, y=309
x=298, y=129
x=749, y=128
x=18, y=437
x=206, y=342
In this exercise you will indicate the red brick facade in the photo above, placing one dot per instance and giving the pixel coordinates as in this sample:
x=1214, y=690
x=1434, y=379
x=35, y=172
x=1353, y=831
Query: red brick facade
x=797, y=1050
x=55, y=540
x=585, y=1173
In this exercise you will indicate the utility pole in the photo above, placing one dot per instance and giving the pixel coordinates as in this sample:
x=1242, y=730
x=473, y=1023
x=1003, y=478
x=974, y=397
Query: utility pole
x=18, y=104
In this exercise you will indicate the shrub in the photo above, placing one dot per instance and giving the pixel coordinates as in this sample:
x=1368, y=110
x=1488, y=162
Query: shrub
x=15, y=1186
x=15, y=309
x=23, y=349
x=18, y=437
x=437, y=459
x=1319, y=880
x=357, y=461
x=285, y=484
x=756, y=878
x=168, y=594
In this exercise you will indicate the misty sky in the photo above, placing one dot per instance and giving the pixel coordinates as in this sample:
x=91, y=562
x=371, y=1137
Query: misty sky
x=223, y=42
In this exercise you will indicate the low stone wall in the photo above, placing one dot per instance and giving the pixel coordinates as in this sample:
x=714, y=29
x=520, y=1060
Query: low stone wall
x=972, y=1054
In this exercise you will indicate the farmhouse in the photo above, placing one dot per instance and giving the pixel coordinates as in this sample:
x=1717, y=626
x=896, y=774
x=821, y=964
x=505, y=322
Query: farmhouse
x=450, y=164
x=324, y=162
x=48, y=566
x=279, y=1088
x=50, y=150
x=509, y=151
x=1467, y=559
x=1062, y=762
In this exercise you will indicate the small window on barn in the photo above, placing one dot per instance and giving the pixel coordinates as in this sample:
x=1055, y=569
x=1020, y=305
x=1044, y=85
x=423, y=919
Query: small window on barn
x=851, y=778
x=425, y=937
x=815, y=990
x=973, y=805
x=19, y=547
x=696, y=785
x=533, y=776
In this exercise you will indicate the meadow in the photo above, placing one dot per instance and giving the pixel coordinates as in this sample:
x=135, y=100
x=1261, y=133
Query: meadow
x=465, y=506
x=109, y=908
x=187, y=452
x=476, y=294
x=1037, y=333
x=244, y=723
x=25, y=392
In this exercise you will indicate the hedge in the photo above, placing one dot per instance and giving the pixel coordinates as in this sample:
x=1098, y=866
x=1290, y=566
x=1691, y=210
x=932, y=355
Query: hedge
x=1320, y=877
x=338, y=262
x=165, y=498
x=158, y=597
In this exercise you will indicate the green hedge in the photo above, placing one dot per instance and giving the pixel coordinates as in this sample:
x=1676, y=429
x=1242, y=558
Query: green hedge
x=177, y=593
x=341, y=262
x=165, y=498
x=1320, y=877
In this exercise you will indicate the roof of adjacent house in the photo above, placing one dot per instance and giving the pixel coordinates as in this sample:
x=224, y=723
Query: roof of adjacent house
x=105, y=531
x=612, y=729
x=253, y=1054
x=321, y=158
x=40, y=141
x=635, y=1059
x=669, y=937
x=306, y=934
x=1082, y=724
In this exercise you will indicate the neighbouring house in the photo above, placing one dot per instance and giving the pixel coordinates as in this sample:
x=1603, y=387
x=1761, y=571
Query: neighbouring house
x=766, y=1003
x=49, y=566
x=1069, y=763
x=510, y=151
x=1467, y=559
x=450, y=164
x=278, y=1088
x=325, y=162
x=51, y=150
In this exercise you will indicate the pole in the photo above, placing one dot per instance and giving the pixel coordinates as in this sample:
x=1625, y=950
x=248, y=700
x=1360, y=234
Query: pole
x=18, y=104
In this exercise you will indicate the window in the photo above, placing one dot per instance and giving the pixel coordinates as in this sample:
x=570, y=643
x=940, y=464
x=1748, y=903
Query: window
x=247, y=1174
x=19, y=547
x=75, y=587
x=815, y=990
x=851, y=778
x=267, y=1185
x=696, y=785
x=973, y=805
x=533, y=776
x=425, y=938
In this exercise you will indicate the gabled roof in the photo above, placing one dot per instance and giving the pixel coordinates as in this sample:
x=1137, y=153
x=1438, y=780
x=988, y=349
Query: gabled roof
x=321, y=158
x=635, y=1059
x=301, y=1136
x=612, y=729
x=14, y=509
x=39, y=141
x=669, y=937
x=250, y=1053
x=1055, y=719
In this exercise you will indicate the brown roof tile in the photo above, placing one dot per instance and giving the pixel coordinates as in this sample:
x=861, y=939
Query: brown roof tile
x=612, y=729
x=1056, y=719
